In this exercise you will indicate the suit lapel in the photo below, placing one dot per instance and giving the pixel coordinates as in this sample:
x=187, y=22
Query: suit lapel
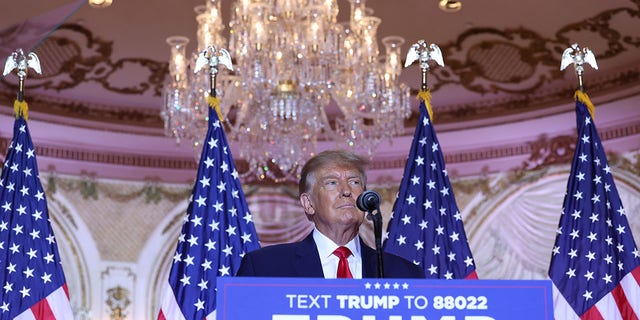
x=369, y=261
x=307, y=263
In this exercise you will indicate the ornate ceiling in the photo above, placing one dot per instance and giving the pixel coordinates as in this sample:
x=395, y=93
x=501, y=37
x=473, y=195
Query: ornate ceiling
x=95, y=109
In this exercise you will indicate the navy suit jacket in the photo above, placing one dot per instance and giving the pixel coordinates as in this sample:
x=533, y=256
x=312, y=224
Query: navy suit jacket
x=301, y=259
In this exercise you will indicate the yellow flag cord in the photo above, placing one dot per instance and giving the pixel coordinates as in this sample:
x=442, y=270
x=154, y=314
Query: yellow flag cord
x=20, y=108
x=214, y=102
x=426, y=97
x=584, y=98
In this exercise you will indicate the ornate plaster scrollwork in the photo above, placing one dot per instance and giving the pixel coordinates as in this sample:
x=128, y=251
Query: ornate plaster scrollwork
x=118, y=301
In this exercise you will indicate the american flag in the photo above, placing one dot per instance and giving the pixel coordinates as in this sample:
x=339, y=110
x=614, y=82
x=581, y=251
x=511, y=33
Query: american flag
x=595, y=264
x=426, y=226
x=31, y=276
x=217, y=231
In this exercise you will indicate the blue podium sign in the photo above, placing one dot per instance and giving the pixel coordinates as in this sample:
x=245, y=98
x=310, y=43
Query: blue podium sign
x=389, y=299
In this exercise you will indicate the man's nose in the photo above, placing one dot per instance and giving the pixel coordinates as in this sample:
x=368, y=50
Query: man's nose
x=345, y=190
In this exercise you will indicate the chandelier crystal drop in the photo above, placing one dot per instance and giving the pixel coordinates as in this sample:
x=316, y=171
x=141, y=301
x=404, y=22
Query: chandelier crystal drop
x=299, y=77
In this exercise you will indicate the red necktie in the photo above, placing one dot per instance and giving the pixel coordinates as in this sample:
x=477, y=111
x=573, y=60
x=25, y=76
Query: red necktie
x=343, y=264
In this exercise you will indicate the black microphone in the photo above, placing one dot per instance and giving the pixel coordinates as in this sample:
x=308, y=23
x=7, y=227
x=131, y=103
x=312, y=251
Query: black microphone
x=368, y=201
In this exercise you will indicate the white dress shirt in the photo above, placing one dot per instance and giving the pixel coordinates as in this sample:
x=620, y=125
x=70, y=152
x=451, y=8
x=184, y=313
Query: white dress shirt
x=330, y=261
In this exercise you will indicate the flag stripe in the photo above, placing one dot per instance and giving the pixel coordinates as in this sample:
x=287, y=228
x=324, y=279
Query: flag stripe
x=607, y=307
x=26, y=315
x=636, y=275
x=622, y=304
x=592, y=314
x=211, y=316
x=59, y=303
x=42, y=310
x=169, y=308
x=630, y=285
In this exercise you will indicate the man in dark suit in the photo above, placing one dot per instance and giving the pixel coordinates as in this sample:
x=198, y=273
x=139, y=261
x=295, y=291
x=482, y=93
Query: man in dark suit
x=329, y=185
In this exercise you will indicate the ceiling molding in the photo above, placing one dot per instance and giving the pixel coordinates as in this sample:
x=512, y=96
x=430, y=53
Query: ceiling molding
x=540, y=152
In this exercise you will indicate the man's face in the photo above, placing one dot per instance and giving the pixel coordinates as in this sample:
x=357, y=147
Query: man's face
x=331, y=202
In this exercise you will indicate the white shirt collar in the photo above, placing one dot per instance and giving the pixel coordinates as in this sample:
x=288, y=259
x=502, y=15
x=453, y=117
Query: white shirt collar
x=329, y=261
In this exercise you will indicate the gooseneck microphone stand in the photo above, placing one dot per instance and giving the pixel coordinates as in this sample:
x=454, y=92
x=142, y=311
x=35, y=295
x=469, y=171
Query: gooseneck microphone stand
x=377, y=231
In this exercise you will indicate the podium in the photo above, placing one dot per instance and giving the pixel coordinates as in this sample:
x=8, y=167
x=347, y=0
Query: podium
x=388, y=299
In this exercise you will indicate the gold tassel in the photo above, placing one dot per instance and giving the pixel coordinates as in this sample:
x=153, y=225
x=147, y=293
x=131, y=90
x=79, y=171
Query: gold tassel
x=21, y=108
x=426, y=97
x=214, y=102
x=584, y=98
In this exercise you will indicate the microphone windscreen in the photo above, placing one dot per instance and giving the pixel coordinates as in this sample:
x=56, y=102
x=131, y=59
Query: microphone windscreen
x=368, y=201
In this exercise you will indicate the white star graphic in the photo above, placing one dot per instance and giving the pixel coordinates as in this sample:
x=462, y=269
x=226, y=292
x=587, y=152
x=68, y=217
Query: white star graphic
x=214, y=225
x=208, y=163
x=203, y=284
x=206, y=265
x=585, y=139
x=246, y=237
x=218, y=206
x=222, y=186
x=228, y=250
x=211, y=245
x=205, y=181
x=213, y=143
x=468, y=261
x=231, y=231
x=199, y=305
x=25, y=292
x=193, y=241
x=433, y=269
x=46, y=277
x=224, y=271
x=185, y=280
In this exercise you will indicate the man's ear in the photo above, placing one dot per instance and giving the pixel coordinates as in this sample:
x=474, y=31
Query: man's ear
x=305, y=201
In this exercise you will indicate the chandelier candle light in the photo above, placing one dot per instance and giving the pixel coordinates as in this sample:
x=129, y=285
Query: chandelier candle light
x=299, y=77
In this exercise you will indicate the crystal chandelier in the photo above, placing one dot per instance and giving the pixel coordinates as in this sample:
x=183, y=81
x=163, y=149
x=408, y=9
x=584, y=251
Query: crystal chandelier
x=299, y=77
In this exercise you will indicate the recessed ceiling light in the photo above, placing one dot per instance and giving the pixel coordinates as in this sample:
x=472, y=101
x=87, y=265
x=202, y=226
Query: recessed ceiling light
x=450, y=5
x=100, y=3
